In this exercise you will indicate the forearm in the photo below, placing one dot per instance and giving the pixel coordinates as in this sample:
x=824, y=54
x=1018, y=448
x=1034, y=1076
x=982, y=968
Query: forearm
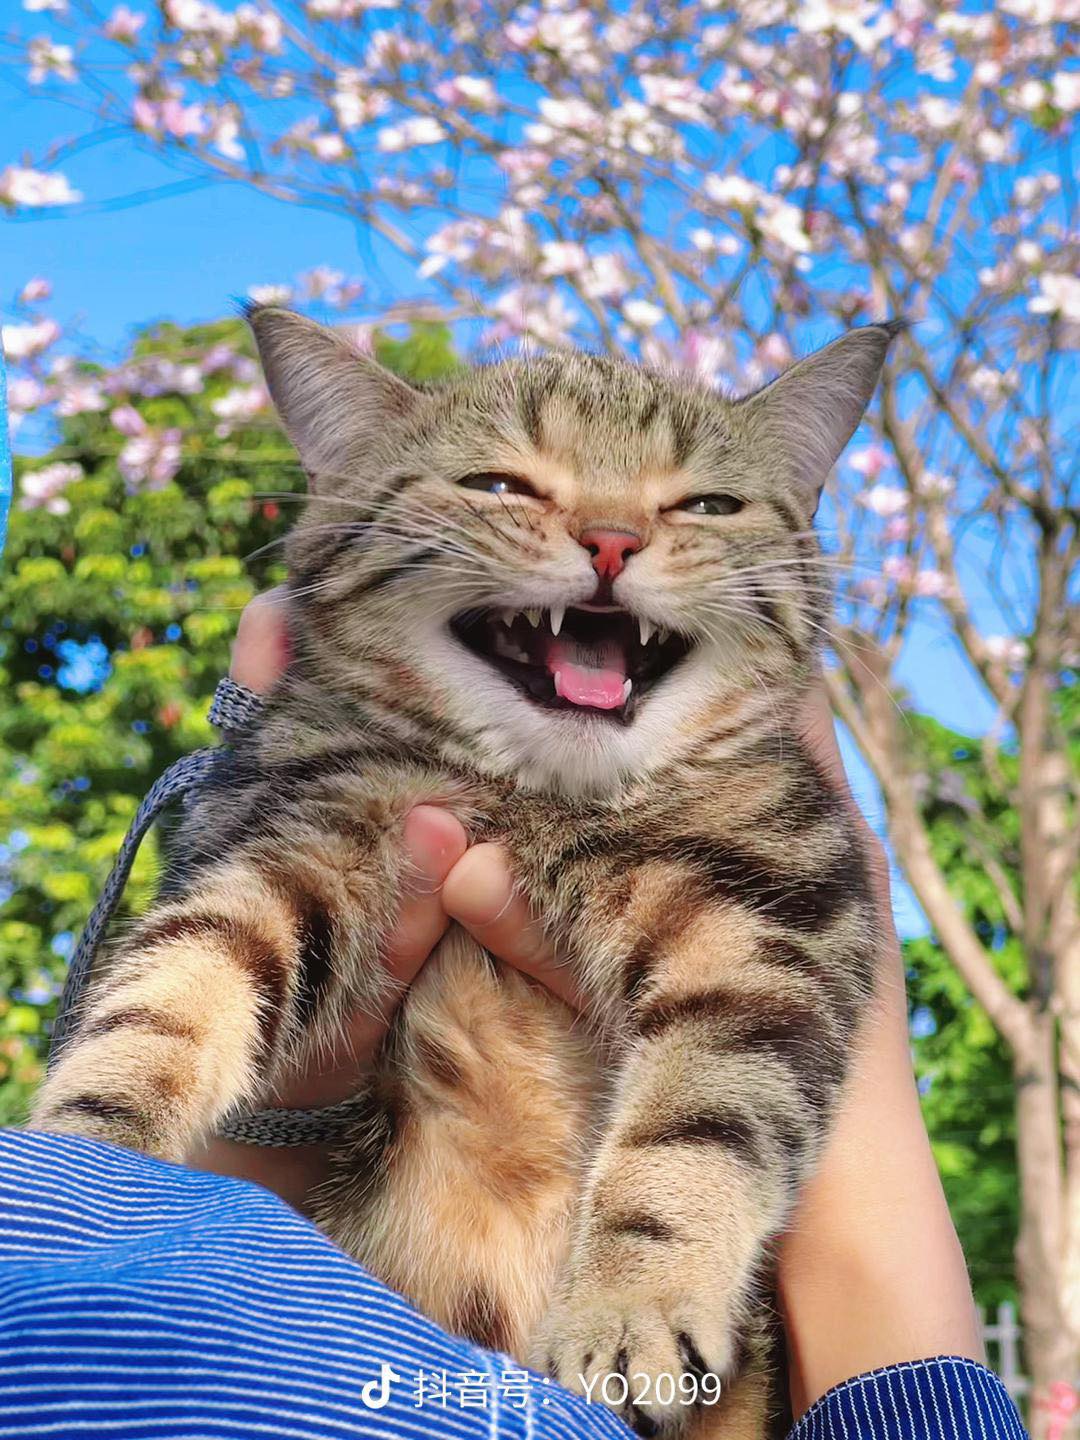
x=871, y=1272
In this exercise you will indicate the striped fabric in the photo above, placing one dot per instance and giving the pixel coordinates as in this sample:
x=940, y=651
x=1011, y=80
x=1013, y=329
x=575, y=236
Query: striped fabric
x=142, y=1300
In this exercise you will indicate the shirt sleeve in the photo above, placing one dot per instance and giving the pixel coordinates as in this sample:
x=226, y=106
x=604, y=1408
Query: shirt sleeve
x=947, y=1398
x=145, y=1301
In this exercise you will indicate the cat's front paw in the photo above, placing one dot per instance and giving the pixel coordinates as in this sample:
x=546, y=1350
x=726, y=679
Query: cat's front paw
x=654, y=1358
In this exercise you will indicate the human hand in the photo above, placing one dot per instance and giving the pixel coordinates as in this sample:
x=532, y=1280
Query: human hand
x=870, y=1270
x=449, y=881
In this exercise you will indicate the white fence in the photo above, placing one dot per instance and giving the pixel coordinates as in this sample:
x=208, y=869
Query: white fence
x=1002, y=1336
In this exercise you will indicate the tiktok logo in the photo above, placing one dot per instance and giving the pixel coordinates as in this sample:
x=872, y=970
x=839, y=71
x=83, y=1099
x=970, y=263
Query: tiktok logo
x=376, y=1393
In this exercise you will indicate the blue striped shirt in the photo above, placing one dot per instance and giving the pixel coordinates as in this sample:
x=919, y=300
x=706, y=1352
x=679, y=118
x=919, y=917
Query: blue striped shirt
x=140, y=1300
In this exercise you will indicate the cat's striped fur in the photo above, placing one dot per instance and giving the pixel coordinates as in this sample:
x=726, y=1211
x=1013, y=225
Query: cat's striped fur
x=592, y=1195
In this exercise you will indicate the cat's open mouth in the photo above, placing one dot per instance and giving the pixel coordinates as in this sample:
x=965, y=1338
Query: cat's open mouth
x=598, y=659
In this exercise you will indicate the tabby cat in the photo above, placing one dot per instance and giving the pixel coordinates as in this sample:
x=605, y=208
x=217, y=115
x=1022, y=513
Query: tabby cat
x=576, y=602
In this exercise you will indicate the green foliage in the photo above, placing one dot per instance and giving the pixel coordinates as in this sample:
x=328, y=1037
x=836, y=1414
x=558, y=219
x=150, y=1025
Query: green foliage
x=963, y=1067
x=427, y=353
x=158, y=577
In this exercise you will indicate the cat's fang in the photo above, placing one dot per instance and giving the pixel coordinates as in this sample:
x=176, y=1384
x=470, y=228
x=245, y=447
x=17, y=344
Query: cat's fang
x=645, y=628
x=508, y=617
x=533, y=617
x=627, y=687
x=558, y=613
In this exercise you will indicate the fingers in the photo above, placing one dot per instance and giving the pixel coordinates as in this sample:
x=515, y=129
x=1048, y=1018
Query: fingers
x=434, y=843
x=434, y=840
x=479, y=894
x=261, y=649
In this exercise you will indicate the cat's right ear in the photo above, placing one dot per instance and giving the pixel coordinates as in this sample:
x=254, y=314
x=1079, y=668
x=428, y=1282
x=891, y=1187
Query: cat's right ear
x=335, y=403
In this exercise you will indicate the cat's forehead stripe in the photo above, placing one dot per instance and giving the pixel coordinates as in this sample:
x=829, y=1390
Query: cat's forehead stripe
x=595, y=415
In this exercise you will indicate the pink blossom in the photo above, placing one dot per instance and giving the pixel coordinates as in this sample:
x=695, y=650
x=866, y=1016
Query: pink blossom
x=327, y=146
x=886, y=500
x=42, y=487
x=150, y=460
x=345, y=9
x=897, y=529
x=607, y=277
x=731, y=190
x=197, y=17
x=321, y=281
x=23, y=342
x=1065, y=90
x=774, y=352
x=168, y=117
x=354, y=102
x=35, y=189
x=869, y=462
x=241, y=404
x=47, y=58
x=223, y=132
x=467, y=90
x=123, y=25
x=1005, y=650
x=417, y=130
x=642, y=314
x=562, y=257
x=80, y=396
x=706, y=355
x=1059, y=294
x=218, y=357
x=545, y=316
x=934, y=486
x=708, y=243
x=898, y=568
x=675, y=94
x=26, y=393
x=931, y=584
x=127, y=420
x=390, y=49
x=270, y=294
x=261, y=28
x=524, y=165
x=34, y=290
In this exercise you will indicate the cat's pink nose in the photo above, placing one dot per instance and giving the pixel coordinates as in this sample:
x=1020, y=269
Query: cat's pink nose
x=609, y=549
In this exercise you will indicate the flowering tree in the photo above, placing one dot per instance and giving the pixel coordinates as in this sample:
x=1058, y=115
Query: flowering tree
x=716, y=188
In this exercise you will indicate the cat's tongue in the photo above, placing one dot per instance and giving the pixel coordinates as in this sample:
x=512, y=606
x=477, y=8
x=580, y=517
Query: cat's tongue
x=589, y=675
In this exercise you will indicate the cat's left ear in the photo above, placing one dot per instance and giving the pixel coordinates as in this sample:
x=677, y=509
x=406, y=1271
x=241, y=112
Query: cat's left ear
x=806, y=416
x=337, y=405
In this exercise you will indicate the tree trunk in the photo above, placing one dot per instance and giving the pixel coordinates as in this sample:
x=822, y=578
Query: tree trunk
x=1051, y=1351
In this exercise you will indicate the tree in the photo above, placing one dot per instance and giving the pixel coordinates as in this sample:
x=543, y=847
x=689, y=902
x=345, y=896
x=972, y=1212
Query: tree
x=960, y=1059
x=719, y=188
x=134, y=543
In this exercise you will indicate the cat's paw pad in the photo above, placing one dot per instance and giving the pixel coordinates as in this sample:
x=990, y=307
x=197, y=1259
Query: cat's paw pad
x=654, y=1363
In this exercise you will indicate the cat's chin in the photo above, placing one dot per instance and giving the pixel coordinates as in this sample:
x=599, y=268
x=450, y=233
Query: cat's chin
x=598, y=662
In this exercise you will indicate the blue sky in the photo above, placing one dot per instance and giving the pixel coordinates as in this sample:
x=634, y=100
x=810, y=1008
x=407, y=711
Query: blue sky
x=185, y=256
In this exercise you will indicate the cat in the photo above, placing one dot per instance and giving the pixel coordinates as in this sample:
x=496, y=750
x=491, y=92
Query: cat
x=578, y=603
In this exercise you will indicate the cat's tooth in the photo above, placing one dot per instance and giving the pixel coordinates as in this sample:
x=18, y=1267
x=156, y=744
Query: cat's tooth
x=533, y=617
x=558, y=683
x=646, y=629
x=557, y=614
x=627, y=685
x=662, y=635
x=507, y=617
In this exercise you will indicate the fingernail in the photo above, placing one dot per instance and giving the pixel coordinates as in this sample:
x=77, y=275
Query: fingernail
x=435, y=840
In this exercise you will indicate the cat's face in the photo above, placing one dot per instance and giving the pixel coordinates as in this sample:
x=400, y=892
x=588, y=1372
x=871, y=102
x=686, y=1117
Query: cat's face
x=564, y=566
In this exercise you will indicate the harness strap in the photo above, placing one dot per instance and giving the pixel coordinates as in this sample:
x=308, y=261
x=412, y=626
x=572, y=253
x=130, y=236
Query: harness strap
x=233, y=707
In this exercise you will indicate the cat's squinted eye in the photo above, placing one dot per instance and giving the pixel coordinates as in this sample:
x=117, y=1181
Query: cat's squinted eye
x=494, y=482
x=711, y=505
